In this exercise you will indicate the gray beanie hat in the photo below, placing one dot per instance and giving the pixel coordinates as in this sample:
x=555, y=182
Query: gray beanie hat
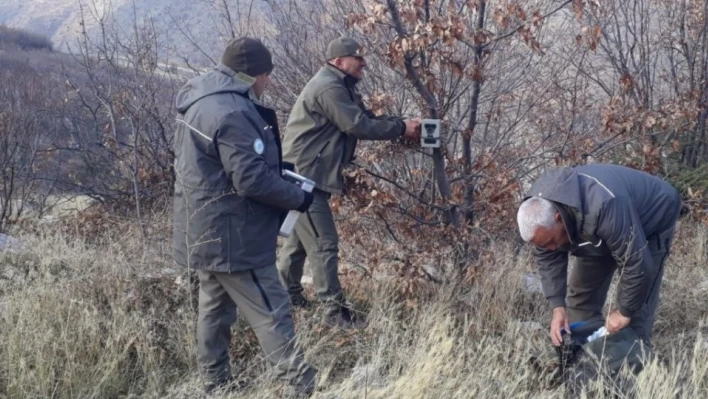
x=247, y=55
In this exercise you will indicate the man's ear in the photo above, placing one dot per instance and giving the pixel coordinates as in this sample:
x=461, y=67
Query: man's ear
x=558, y=218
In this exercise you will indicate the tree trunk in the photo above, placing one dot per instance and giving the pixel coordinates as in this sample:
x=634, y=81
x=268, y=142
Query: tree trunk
x=432, y=104
x=474, y=107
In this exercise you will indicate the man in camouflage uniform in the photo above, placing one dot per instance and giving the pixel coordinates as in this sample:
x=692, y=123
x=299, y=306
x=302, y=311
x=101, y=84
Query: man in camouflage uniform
x=325, y=124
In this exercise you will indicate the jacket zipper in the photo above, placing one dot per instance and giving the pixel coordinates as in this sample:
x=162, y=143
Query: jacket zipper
x=319, y=154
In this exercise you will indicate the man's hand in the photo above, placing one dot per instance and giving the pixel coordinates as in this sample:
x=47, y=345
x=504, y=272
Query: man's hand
x=615, y=322
x=412, y=129
x=559, y=321
x=309, y=197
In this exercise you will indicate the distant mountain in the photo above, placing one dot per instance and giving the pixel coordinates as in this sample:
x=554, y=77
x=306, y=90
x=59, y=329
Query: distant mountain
x=60, y=20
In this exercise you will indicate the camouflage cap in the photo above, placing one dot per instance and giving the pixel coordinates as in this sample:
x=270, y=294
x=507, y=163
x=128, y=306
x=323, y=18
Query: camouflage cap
x=344, y=46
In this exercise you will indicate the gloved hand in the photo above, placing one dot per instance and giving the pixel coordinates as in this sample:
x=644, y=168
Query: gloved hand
x=306, y=203
x=287, y=166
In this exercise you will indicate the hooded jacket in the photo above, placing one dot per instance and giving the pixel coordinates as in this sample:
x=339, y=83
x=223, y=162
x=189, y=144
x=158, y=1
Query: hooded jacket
x=608, y=211
x=229, y=193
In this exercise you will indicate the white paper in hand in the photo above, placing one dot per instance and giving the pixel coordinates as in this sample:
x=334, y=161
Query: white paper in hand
x=601, y=332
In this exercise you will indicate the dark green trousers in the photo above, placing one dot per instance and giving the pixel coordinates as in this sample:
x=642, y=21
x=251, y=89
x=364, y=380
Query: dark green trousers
x=315, y=238
x=264, y=303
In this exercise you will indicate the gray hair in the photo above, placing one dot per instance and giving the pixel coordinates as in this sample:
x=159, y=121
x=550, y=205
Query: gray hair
x=533, y=213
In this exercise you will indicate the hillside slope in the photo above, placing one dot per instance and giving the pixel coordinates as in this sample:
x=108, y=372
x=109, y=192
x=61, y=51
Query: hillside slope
x=60, y=20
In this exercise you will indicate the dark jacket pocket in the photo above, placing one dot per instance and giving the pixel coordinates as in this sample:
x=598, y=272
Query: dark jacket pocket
x=253, y=240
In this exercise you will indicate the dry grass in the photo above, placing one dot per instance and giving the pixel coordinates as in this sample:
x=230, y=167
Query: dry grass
x=105, y=318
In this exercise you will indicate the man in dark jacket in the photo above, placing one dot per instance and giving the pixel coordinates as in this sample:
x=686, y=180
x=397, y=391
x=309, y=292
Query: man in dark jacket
x=609, y=217
x=325, y=124
x=229, y=196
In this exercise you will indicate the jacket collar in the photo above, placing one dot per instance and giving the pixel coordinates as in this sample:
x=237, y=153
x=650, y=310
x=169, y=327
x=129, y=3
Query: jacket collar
x=562, y=187
x=569, y=221
x=225, y=70
x=349, y=80
x=244, y=81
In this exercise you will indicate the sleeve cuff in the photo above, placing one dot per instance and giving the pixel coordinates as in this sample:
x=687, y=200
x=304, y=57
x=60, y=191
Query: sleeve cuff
x=556, y=301
x=626, y=312
x=287, y=166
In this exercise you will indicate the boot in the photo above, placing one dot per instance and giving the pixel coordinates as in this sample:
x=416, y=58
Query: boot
x=298, y=301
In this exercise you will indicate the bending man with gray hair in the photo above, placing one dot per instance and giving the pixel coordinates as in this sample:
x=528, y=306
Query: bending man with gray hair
x=610, y=218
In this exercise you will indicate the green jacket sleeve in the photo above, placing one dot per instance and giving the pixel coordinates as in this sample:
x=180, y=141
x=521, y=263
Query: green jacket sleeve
x=249, y=172
x=351, y=119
